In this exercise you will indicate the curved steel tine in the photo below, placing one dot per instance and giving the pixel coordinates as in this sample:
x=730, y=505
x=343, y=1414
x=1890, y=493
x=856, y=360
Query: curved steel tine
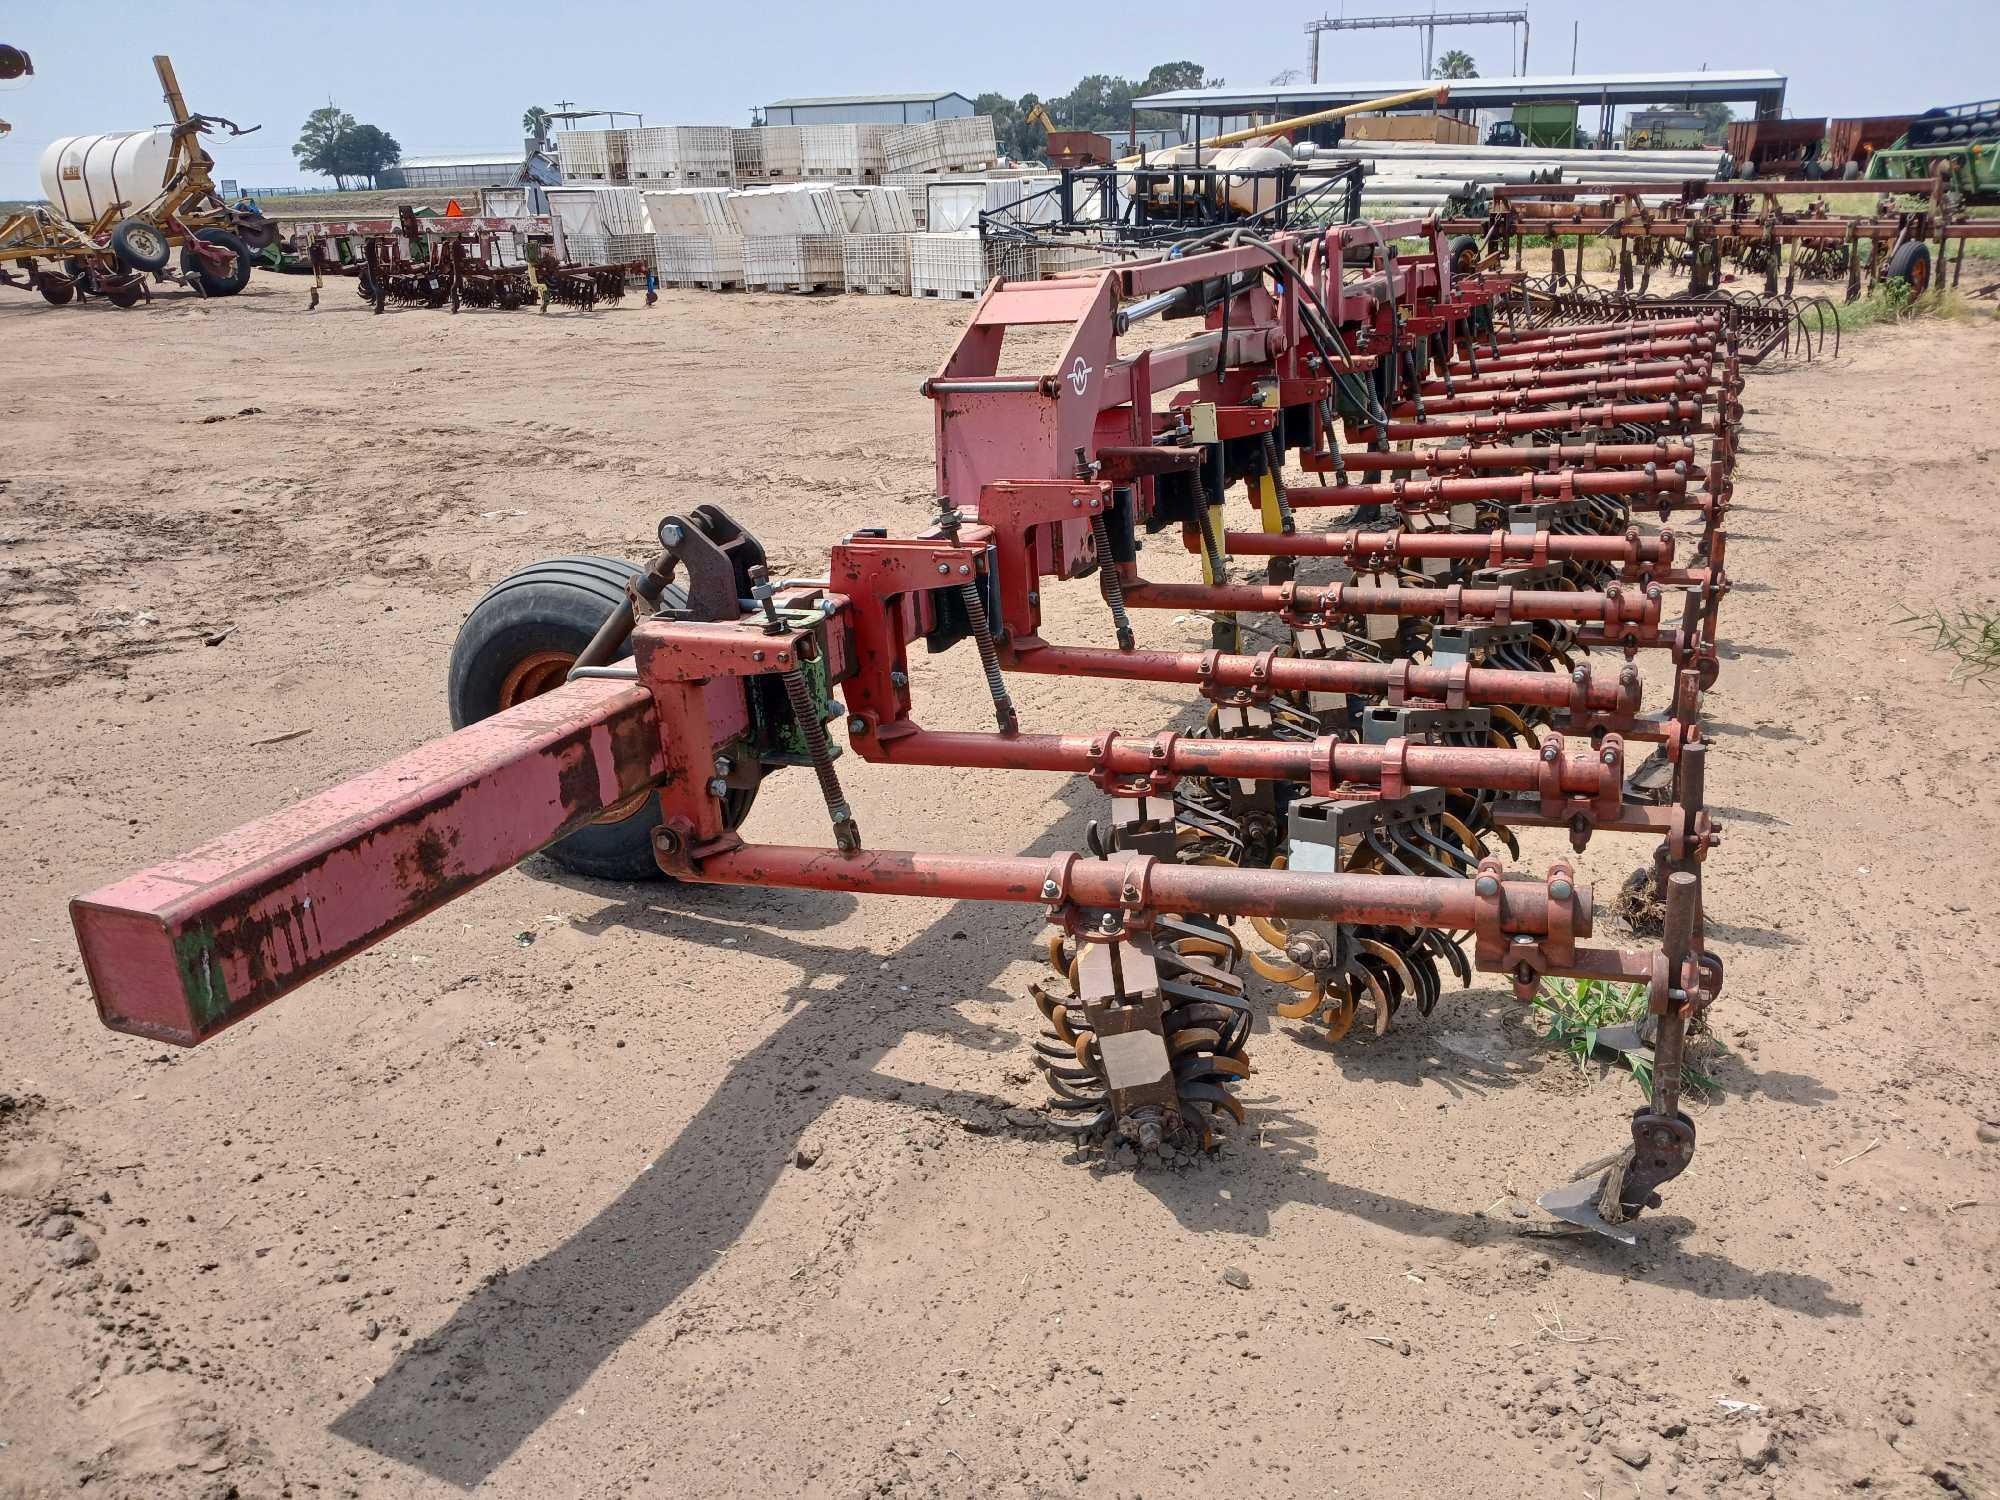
x=1404, y=836
x=1100, y=1121
x=1384, y=848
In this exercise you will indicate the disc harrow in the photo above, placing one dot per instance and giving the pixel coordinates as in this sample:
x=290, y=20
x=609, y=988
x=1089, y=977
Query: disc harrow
x=1336, y=839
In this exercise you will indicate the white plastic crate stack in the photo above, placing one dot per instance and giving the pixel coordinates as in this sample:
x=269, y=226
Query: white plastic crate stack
x=842, y=151
x=791, y=237
x=875, y=256
x=582, y=155
x=1053, y=260
x=950, y=145
x=603, y=225
x=961, y=264
x=876, y=263
x=687, y=157
x=784, y=152
x=915, y=188
x=955, y=203
x=700, y=242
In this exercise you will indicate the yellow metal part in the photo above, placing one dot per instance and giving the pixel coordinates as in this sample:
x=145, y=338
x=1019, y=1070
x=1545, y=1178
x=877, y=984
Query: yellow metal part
x=1267, y=503
x=1438, y=91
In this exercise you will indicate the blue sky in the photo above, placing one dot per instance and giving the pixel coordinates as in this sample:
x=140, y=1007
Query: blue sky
x=441, y=78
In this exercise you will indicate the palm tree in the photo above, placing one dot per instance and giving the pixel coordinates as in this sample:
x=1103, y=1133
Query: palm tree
x=535, y=122
x=1455, y=64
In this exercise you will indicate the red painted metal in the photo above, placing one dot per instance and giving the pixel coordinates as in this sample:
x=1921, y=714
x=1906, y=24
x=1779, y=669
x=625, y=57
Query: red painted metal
x=1139, y=884
x=180, y=951
x=1666, y=453
x=1399, y=682
x=1438, y=494
x=1617, y=609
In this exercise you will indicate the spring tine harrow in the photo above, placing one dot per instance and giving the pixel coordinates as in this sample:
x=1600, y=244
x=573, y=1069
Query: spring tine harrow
x=1333, y=841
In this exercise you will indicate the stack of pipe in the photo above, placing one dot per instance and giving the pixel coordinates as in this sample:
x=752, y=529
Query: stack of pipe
x=1429, y=174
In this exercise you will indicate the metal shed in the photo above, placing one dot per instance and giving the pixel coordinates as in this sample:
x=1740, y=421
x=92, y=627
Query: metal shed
x=867, y=109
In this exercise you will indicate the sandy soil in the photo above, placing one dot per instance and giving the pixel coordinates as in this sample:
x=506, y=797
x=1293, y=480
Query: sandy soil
x=584, y=1189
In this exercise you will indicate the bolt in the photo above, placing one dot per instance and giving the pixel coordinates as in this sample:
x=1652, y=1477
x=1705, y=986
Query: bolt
x=717, y=787
x=1109, y=924
x=1075, y=502
x=724, y=765
x=857, y=725
x=964, y=568
x=670, y=534
x=1034, y=596
x=899, y=679
x=1487, y=885
x=756, y=656
x=1050, y=890
x=1131, y=893
x=1561, y=889
x=1611, y=757
x=944, y=567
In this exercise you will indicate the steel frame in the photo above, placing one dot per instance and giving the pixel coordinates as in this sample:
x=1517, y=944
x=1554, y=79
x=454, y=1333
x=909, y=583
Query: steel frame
x=1053, y=475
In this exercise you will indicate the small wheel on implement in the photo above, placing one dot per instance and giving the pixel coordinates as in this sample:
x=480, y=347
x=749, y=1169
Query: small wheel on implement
x=57, y=291
x=519, y=642
x=140, y=246
x=1464, y=255
x=1911, y=265
x=218, y=286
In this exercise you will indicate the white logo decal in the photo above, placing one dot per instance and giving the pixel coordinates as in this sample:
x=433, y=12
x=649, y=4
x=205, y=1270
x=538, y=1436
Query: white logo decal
x=1079, y=375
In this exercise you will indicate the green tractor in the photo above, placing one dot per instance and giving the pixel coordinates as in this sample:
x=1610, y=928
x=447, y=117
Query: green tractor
x=1963, y=141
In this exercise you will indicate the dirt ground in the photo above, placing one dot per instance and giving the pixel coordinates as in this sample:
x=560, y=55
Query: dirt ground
x=579, y=1189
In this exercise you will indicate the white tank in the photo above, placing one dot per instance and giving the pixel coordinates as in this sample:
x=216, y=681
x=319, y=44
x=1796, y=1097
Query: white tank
x=1244, y=196
x=83, y=175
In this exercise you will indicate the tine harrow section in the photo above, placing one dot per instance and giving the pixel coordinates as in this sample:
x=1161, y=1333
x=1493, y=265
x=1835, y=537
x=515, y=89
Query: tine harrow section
x=1522, y=601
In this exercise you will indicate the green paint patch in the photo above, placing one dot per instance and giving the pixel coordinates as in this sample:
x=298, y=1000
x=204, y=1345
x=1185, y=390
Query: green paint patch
x=201, y=977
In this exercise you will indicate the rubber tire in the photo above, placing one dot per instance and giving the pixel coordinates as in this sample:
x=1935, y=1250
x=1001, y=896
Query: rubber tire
x=128, y=243
x=217, y=286
x=1851, y=172
x=257, y=235
x=1462, y=254
x=1910, y=265
x=554, y=605
x=57, y=293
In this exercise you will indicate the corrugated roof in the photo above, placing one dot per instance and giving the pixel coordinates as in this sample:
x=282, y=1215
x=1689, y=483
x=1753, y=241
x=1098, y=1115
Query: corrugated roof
x=1712, y=84
x=510, y=158
x=914, y=98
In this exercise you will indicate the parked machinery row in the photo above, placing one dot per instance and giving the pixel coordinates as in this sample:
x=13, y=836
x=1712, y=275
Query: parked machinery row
x=1339, y=810
x=450, y=261
x=118, y=208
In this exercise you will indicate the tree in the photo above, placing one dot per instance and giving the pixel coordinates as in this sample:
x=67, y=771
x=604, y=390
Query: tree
x=1455, y=64
x=1715, y=120
x=334, y=145
x=1290, y=75
x=366, y=151
x=535, y=122
x=1177, y=75
x=1101, y=102
x=315, y=146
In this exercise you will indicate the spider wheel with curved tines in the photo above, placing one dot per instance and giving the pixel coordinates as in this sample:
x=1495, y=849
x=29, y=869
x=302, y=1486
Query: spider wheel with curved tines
x=1204, y=1024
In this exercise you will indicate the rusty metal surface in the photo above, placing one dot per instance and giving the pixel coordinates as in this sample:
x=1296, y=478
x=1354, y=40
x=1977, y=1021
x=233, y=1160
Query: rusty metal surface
x=181, y=950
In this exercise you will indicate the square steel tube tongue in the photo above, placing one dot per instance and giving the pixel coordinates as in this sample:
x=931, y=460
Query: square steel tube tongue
x=180, y=951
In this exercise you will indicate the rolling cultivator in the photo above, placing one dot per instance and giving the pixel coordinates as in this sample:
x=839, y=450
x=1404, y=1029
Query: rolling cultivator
x=458, y=262
x=1528, y=511
x=1749, y=229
